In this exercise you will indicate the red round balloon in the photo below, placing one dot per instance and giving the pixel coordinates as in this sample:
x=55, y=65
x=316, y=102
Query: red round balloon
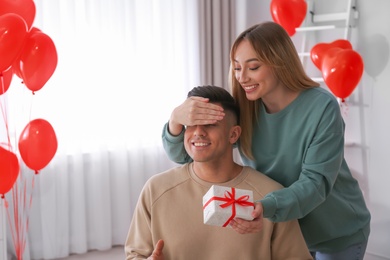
x=289, y=13
x=319, y=50
x=9, y=170
x=38, y=60
x=342, y=70
x=13, y=32
x=37, y=144
x=16, y=64
x=24, y=8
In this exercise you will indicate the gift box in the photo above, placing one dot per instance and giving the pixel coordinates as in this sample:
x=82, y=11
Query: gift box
x=222, y=204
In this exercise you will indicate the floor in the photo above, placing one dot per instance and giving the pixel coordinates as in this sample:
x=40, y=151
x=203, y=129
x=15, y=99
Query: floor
x=373, y=257
x=115, y=253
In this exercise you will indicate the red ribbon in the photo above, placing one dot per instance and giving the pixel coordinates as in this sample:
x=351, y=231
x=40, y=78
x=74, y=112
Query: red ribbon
x=231, y=200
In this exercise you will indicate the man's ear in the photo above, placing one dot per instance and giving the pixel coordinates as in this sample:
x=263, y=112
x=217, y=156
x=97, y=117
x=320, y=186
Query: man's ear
x=235, y=133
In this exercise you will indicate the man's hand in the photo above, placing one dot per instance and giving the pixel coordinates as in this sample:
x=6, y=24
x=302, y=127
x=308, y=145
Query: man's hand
x=249, y=226
x=157, y=252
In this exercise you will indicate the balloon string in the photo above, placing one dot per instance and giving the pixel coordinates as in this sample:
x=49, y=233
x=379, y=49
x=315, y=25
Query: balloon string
x=23, y=218
x=18, y=221
x=10, y=224
x=15, y=230
x=344, y=107
x=31, y=106
x=22, y=203
x=28, y=213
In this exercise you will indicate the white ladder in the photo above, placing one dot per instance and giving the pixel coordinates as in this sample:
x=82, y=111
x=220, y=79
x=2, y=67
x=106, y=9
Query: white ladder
x=315, y=22
x=344, y=22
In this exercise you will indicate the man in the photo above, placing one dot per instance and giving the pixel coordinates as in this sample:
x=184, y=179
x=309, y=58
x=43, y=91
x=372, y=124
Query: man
x=168, y=219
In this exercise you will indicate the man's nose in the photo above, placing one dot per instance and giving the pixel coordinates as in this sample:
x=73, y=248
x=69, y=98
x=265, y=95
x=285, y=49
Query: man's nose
x=200, y=130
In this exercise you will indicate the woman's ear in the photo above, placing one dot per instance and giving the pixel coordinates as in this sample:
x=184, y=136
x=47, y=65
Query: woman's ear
x=235, y=133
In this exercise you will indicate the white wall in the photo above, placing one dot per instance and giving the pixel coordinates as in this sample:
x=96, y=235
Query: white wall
x=373, y=44
x=367, y=112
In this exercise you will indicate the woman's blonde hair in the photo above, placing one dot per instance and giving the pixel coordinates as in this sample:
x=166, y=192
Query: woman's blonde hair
x=275, y=49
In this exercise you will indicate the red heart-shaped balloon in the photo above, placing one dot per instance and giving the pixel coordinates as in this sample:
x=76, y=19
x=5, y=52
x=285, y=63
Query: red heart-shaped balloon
x=319, y=50
x=289, y=13
x=342, y=70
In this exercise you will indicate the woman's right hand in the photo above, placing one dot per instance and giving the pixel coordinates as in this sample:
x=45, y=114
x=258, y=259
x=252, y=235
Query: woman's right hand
x=194, y=111
x=242, y=226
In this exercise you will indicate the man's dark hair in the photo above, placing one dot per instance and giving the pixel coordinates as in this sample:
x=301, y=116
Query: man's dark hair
x=217, y=95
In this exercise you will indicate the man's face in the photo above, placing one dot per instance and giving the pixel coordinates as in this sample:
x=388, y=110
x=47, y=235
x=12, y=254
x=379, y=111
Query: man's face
x=206, y=143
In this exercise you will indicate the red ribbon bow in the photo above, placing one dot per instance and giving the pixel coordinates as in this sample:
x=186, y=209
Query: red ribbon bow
x=231, y=200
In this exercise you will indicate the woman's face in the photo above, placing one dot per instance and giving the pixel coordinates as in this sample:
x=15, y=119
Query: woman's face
x=256, y=78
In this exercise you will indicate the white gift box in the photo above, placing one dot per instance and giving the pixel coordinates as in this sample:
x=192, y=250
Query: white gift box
x=221, y=204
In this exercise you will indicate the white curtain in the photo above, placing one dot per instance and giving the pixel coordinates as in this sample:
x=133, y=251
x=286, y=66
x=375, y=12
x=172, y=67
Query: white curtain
x=123, y=65
x=216, y=35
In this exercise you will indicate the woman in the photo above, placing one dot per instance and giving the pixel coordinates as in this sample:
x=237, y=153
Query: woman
x=292, y=131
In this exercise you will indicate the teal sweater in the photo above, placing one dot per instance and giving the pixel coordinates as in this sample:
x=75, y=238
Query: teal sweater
x=302, y=147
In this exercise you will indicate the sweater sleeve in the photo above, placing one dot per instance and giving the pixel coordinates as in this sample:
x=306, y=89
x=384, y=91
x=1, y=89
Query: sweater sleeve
x=139, y=241
x=320, y=167
x=287, y=242
x=174, y=146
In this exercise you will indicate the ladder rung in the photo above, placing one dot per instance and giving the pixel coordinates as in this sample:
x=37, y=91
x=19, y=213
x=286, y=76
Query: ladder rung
x=304, y=54
x=320, y=79
x=315, y=28
x=349, y=144
x=318, y=18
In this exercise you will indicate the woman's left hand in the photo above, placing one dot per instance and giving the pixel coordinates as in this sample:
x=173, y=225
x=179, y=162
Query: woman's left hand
x=249, y=226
